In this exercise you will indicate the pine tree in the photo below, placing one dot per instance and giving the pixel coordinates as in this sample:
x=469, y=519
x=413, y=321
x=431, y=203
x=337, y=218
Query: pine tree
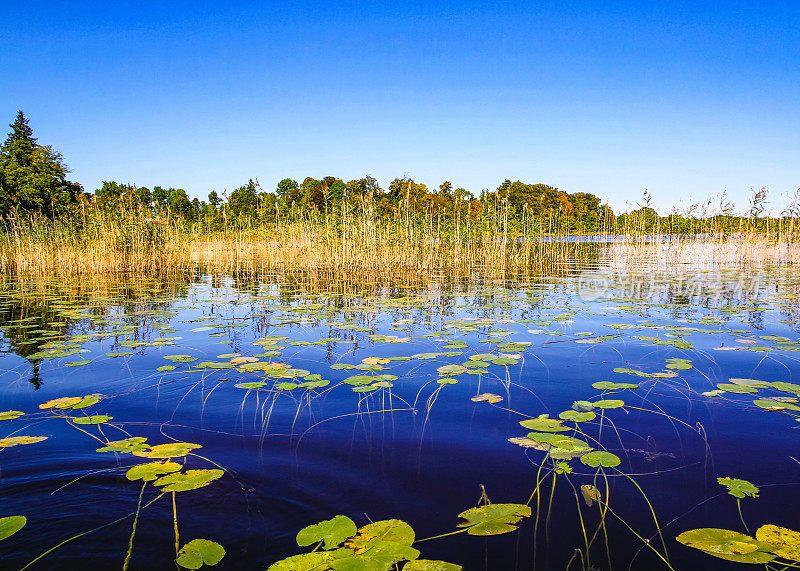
x=32, y=176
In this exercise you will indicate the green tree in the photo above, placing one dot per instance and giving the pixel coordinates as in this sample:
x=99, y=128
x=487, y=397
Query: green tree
x=33, y=176
x=244, y=200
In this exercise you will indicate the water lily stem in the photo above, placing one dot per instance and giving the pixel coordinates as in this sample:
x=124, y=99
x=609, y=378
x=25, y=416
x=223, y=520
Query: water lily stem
x=442, y=535
x=175, y=522
x=133, y=530
x=741, y=517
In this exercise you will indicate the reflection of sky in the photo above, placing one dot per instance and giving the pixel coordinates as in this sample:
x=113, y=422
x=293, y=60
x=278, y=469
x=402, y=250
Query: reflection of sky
x=294, y=460
x=684, y=99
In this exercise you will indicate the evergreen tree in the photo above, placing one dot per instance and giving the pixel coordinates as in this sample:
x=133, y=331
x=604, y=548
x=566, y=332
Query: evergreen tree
x=33, y=176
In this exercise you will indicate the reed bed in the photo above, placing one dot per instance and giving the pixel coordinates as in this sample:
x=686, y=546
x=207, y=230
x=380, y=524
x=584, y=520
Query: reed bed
x=130, y=241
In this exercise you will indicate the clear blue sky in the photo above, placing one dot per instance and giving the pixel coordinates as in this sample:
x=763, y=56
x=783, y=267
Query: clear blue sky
x=685, y=99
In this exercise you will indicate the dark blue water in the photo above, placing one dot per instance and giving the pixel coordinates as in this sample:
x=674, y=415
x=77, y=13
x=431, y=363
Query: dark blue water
x=417, y=451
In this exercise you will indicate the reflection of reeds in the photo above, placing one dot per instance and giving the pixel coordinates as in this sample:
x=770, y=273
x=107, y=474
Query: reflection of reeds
x=129, y=241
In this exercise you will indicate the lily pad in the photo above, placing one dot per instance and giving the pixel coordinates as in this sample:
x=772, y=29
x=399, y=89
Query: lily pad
x=11, y=414
x=96, y=419
x=191, y=480
x=600, y=458
x=17, y=440
x=609, y=403
x=785, y=541
x=493, y=519
x=171, y=450
x=11, y=524
x=332, y=531
x=544, y=424
x=152, y=470
x=199, y=552
x=487, y=397
x=611, y=386
x=431, y=565
x=739, y=488
x=132, y=444
x=576, y=416
x=729, y=545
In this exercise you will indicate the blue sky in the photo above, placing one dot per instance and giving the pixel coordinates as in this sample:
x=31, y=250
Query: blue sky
x=685, y=99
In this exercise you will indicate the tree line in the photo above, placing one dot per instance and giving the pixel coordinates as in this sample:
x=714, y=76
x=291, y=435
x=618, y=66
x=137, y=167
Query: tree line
x=33, y=182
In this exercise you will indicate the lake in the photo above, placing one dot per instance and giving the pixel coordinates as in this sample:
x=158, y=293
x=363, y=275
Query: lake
x=298, y=397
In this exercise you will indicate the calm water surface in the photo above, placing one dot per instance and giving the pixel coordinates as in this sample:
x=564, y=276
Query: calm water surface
x=400, y=446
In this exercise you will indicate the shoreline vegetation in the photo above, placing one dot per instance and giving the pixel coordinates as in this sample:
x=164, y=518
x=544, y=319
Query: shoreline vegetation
x=52, y=226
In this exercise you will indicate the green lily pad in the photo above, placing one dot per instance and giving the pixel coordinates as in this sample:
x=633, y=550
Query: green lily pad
x=544, y=424
x=17, y=440
x=199, y=552
x=447, y=381
x=171, y=450
x=191, y=480
x=738, y=488
x=449, y=370
x=251, y=385
x=11, y=524
x=576, y=416
x=774, y=404
x=611, y=386
x=332, y=531
x=96, y=419
x=600, y=458
x=152, y=470
x=504, y=361
x=609, y=403
x=11, y=414
x=165, y=368
x=77, y=363
x=785, y=541
x=316, y=561
x=728, y=545
x=749, y=383
x=133, y=444
x=493, y=519
x=431, y=565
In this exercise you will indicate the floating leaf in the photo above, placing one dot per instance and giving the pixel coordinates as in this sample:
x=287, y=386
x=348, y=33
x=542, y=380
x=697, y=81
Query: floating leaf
x=316, y=561
x=544, y=424
x=774, y=404
x=132, y=444
x=610, y=403
x=61, y=403
x=431, y=565
x=199, y=552
x=393, y=537
x=191, y=480
x=487, y=397
x=504, y=361
x=600, y=458
x=11, y=524
x=332, y=531
x=785, y=541
x=17, y=440
x=250, y=385
x=493, y=519
x=11, y=414
x=749, y=383
x=447, y=381
x=171, y=450
x=152, y=470
x=590, y=494
x=96, y=419
x=165, y=368
x=728, y=545
x=739, y=488
x=611, y=386
x=448, y=370
x=576, y=416
x=77, y=363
